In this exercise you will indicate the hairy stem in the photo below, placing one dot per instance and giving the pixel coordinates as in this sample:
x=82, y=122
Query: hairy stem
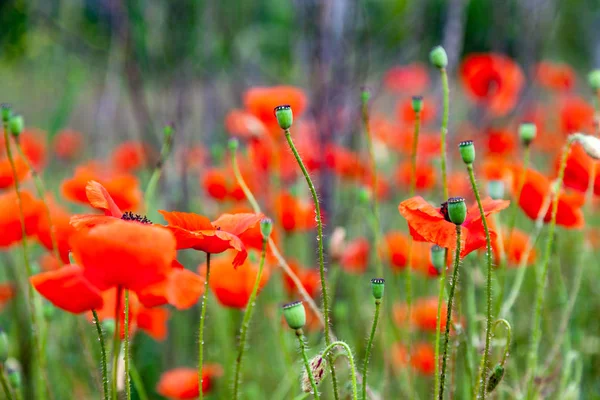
x=369, y=347
x=126, y=344
x=201, y=328
x=102, y=354
x=313, y=383
x=350, y=360
x=116, y=345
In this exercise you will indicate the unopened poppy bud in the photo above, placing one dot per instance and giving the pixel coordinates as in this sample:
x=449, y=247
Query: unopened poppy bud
x=285, y=117
x=16, y=125
x=233, y=144
x=594, y=79
x=6, y=112
x=438, y=255
x=377, y=287
x=318, y=368
x=527, y=132
x=266, y=227
x=365, y=96
x=365, y=195
x=295, y=314
x=495, y=378
x=14, y=378
x=4, y=347
x=417, y=104
x=590, y=144
x=438, y=57
x=496, y=189
x=467, y=151
x=168, y=132
x=457, y=210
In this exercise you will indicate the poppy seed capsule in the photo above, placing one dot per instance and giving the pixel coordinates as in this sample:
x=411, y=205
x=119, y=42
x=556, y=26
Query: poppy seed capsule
x=4, y=347
x=365, y=95
x=594, y=79
x=16, y=125
x=527, y=132
x=168, y=131
x=295, y=314
x=467, y=151
x=284, y=116
x=496, y=189
x=417, y=104
x=457, y=210
x=590, y=144
x=437, y=255
x=266, y=227
x=438, y=57
x=377, y=287
x=495, y=378
x=6, y=112
x=233, y=144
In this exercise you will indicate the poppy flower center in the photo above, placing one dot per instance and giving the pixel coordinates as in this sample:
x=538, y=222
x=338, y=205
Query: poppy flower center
x=129, y=216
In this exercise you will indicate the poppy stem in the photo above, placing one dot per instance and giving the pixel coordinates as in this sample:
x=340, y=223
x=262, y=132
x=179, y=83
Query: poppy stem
x=352, y=365
x=542, y=275
x=483, y=370
x=246, y=321
x=102, y=354
x=315, y=197
x=444, y=128
x=369, y=347
x=41, y=358
x=4, y=383
x=449, y=313
x=438, y=327
x=508, y=338
x=201, y=329
x=116, y=345
x=156, y=174
x=126, y=351
x=137, y=381
x=240, y=180
x=313, y=383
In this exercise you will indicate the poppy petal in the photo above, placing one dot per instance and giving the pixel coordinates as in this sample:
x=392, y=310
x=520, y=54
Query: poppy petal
x=237, y=223
x=99, y=198
x=184, y=288
x=187, y=221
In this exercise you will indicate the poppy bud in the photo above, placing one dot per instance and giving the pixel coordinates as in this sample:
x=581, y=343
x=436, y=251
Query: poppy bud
x=457, y=210
x=417, y=104
x=438, y=255
x=295, y=314
x=168, y=131
x=365, y=96
x=495, y=378
x=266, y=227
x=318, y=368
x=377, y=287
x=365, y=195
x=6, y=112
x=233, y=144
x=594, y=79
x=438, y=57
x=527, y=132
x=285, y=117
x=16, y=125
x=4, y=346
x=14, y=378
x=590, y=144
x=467, y=151
x=496, y=189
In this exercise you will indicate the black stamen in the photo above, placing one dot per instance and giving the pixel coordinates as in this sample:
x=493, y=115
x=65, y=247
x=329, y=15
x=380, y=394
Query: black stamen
x=129, y=216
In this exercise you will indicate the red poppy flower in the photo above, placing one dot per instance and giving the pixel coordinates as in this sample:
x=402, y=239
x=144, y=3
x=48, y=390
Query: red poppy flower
x=243, y=124
x=492, y=80
x=406, y=113
x=428, y=224
x=182, y=383
x=425, y=175
x=50, y=263
x=422, y=358
x=67, y=144
x=60, y=222
x=424, y=314
x=345, y=163
x=33, y=143
x=7, y=292
x=411, y=78
x=221, y=184
x=577, y=171
x=356, y=256
x=397, y=247
x=309, y=277
x=576, y=115
x=131, y=156
x=428, y=146
x=293, y=214
x=123, y=188
x=33, y=148
x=514, y=246
x=261, y=101
x=10, y=217
x=553, y=76
x=501, y=142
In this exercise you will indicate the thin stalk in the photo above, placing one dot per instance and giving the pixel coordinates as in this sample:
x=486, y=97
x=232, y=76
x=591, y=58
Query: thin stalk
x=246, y=321
x=116, y=345
x=40, y=354
x=137, y=382
x=542, y=277
x=369, y=347
x=126, y=351
x=449, y=313
x=444, y=129
x=350, y=360
x=321, y=257
x=313, y=383
x=156, y=174
x=438, y=332
x=488, y=329
x=201, y=328
x=5, y=386
x=102, y=355
x=508, y=338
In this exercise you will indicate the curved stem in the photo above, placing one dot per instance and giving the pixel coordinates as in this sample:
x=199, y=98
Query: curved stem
x=352, y=364
x=116, y=345
x=126, y=351
x=201, y=328
x=315, y=197
x=369, y=347
x=438, y=332
x=449, y=311
x=508, y=338
x=102, y=354
x=313, y=383
x=246, y=321
x=542, y=276
x=156, y=174
x=137, y=382
x=444, y=129
x=488, y=325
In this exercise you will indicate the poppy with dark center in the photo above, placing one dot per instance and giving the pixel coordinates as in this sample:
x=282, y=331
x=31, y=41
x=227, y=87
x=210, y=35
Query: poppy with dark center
x=429, y=224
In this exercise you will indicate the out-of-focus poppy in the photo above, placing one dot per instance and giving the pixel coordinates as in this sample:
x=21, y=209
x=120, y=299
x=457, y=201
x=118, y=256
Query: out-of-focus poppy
x=10, y=216
x=514, y=246
x=496, y=169
x=60, y=223
x=232, y=288
x=577, y=171
x=123, y=188
x=428, y=145
x=422, y=358
x=221, y=184
x=50, y=263
x=261, y=101
x=576, y=115
x=501, y=142
x=34, y=149
x=397, y=247
x=459, y=185
x=243, y=124
x=33, y=143
x=406, y=113
x=309, y=277
x=356, y=256
x=293, y=214
x=130, y=156
x=344, y=163
x=425, y=175
x=493, y=81
x=7, y=292
x=182, y=383
x=423, y=314
x=536, y=187
x=67, y=144
x=554, y=76
x=428, y=224
x=412, y=79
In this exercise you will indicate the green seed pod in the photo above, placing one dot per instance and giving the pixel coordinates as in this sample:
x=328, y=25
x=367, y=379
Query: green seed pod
x=6, y=112
x=233, y=144
x=377, y=287
x=594, y=79
x=318, y=367
x=168, y=132
x=467, y=151
x=295, y=314
x=285, y=117
x=16, y=125
x=527, y=132
x=365, y=195
x=438, y=57
x=495, y=378
x=437, y=255
x=457, y=210
x=496, y=190
x=417, y=104
x=4, y=347
x=365, y=96
x=266, y=227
